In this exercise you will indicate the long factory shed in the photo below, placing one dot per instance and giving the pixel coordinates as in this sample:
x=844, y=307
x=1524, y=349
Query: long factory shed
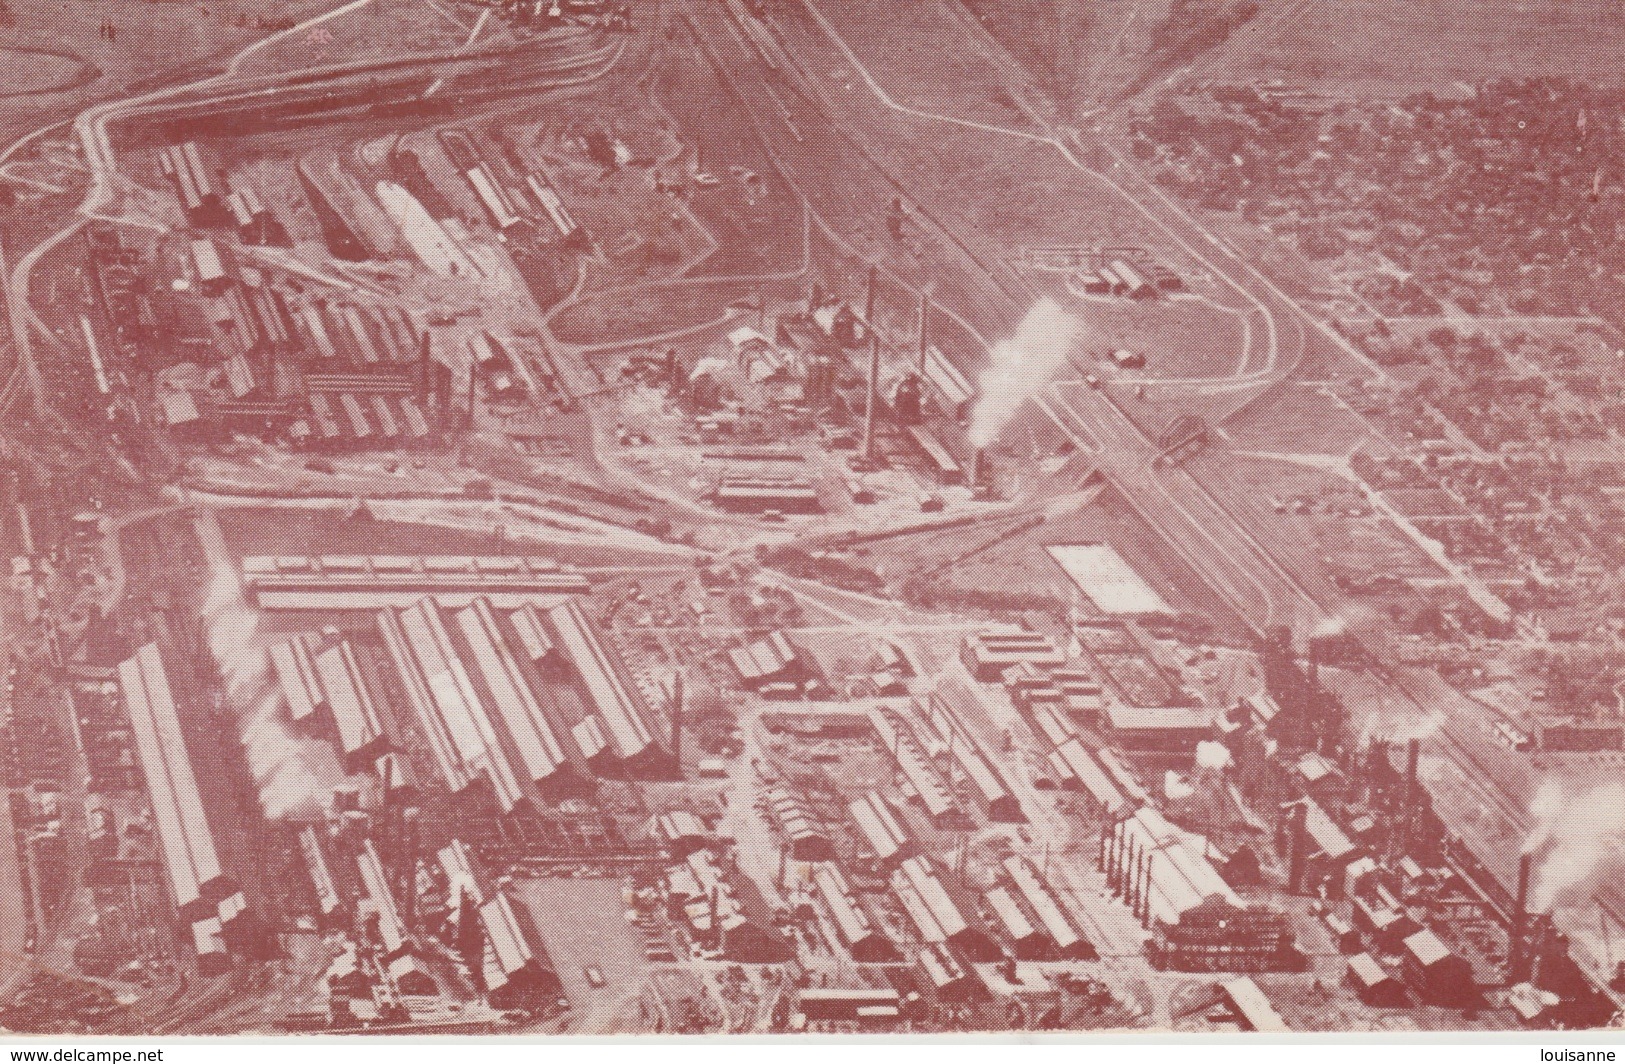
x=190, y=858
x=295, y=670
x=1078, y=768
x=899, y=740
x=328, y=898
x=879, y=826
x=539, y=748
x=937, y=918
x=453, y=716
x=946, y=708
x=361, y=722
x=864, y=940
x=374, y=582
x=610, y=689
x=1062, y=933
x=393, y=934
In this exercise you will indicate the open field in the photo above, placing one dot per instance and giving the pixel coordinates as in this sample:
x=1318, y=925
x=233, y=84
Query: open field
x=381, y=29
x=612, y=320
x=1297, y=418
x=1086, y=58
x=753, y=215
x=55, y=62
x=28, y=71
x=1178, y=338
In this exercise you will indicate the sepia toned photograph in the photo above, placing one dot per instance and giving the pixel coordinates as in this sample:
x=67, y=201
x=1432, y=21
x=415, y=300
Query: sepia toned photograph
x=811, y=518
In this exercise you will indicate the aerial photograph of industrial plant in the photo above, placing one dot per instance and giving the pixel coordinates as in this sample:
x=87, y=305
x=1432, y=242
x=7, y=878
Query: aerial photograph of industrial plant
x=812, y=517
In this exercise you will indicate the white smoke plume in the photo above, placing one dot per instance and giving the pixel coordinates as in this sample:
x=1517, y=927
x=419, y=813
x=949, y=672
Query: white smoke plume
x=286, y=782
x=1400, y=722
x=1328, y=627
x=1578, y=837
x=1212, y=756
x=1021, y=366
x=1546, y=807
x=1174, y=786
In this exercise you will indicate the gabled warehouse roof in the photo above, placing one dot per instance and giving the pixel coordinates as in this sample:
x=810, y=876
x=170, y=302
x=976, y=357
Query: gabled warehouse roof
x=190, y=857
x=619, y=702
x=392, y=932
x=516, y=703
x=927, y=902
x=1090, y=775
x=1043, y=902
x=454, y=709
x=879, y=825
x=357, y=717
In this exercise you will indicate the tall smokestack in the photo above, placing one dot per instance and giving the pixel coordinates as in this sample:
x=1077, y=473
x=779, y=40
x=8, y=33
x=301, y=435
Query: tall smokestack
x=1144, y=897
x=1136, y=870
x=677, y=721
x=410, y=844
x=1518, y=947
x=715, y=907
x=873, y=384
x=1298, y=858
x=1400, y=838
x=423, y=367
x=925, y=306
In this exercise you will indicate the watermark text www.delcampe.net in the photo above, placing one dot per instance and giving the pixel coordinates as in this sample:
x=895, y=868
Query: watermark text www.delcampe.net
x=88, y=1056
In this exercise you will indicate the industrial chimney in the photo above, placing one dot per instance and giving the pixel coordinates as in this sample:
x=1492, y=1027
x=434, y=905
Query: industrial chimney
x=1518, y=945
x=424, y=365
x=1144, y=896
x=1298, y=840
x=677, y=721
x=981, y=475
x=872, y=386
x=925, y=305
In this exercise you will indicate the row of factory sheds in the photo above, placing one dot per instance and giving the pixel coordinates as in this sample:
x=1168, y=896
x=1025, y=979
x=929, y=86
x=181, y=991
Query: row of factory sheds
x=510, y=196
x=457, y=717
x=253, y=314
x=388, y=910
x=948, y=927
x=208, y=200
x=325, y=369
x=477, y=682
x=723, y=911
x=864, y=862
x=208, y=901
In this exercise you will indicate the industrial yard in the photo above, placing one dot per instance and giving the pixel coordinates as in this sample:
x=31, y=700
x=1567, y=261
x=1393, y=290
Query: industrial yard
x=685, y=517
